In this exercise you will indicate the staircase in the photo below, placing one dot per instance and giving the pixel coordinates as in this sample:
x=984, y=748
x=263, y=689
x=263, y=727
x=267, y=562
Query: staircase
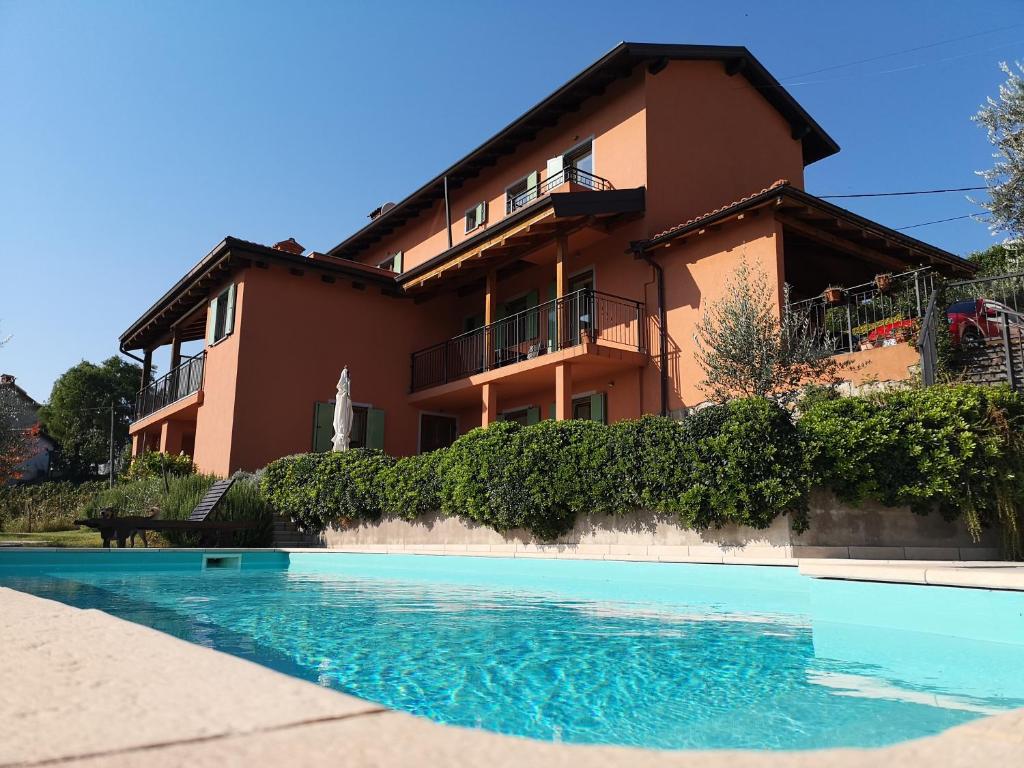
x=287, y=535
x=987, y=363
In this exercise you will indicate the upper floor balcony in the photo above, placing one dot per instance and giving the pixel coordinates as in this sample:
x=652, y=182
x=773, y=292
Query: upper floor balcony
x=582, y=317
x=177, y=384
x=573, y=175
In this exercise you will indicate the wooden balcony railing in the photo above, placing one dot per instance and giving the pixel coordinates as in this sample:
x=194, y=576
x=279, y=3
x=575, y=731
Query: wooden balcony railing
x=585, y=315
x=178, y=383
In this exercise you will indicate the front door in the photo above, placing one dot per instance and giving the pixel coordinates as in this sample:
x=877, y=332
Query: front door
x=436, y=431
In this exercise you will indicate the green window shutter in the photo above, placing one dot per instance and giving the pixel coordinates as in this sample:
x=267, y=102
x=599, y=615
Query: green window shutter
x=323, y=427
x=375, y=428
x=597, y=408
x=481, y=213
x=532, y=180
x=532, y=415
x=211, y=327
x=229, y=315
x=552, y=411
x=398, y=262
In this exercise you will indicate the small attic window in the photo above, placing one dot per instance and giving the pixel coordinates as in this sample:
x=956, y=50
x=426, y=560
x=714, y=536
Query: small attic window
x=392, y=263
x=476, y=216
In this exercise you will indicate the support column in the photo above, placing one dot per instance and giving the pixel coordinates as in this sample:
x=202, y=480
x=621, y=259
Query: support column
x=147, y=368
x=175, y=349
x=490, y=314
x=561, y=268
x=563, y=391
x=488, y=404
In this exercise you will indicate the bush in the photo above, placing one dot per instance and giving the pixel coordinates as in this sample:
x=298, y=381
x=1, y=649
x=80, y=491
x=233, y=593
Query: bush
x=955, y=449
x=178, y=498
x=156, y=464
x=746, y=467
x=646, y=463
x=412, y=486
x=319, y=489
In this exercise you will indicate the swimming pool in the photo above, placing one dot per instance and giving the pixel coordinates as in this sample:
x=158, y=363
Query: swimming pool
x=641, y=654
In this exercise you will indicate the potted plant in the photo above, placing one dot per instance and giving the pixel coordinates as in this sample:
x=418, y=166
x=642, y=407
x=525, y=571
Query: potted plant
x=834, y=295
x=884, y=283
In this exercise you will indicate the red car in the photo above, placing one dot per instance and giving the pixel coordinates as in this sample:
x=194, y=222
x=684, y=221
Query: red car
x=974, y=320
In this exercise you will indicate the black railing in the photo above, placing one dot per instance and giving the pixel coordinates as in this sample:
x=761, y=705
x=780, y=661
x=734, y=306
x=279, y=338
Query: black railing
x=981, y=322
x=568, y=174
x=882, y=312
x=179, y=382
x=557, y=324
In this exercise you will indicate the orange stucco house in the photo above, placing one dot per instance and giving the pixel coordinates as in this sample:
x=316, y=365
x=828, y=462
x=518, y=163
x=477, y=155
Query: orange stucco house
x=556, y=271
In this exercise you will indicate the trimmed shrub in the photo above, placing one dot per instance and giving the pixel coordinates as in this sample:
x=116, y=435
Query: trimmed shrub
x=955, y=449
x=746, y=466
x=412, y=486
x=318, y=489
x=646, y=463
x=479, y=474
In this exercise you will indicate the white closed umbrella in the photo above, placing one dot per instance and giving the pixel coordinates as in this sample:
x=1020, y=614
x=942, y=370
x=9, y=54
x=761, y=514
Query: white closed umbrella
x=343, y=412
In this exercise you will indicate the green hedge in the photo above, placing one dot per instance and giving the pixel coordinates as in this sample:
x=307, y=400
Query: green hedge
x=156, y=464
x=739, y=463
x=955, y=449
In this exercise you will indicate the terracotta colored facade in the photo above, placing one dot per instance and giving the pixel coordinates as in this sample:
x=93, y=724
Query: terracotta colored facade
x=589, y=211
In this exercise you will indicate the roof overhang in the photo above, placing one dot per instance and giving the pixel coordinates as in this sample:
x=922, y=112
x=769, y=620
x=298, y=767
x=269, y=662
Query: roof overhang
x=618, y=63
x=538, y=224
x=184, y=300
x=823, y=222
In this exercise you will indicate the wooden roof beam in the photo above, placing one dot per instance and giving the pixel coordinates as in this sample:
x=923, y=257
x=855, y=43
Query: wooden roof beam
x=840, y=244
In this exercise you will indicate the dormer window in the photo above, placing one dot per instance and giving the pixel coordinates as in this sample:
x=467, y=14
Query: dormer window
x=392, y=263
x=476, y=216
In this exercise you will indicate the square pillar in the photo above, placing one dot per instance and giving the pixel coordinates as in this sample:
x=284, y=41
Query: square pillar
x=147, y=368
x=170, y=437
x=175, y=349
x=490, y=315
x=563, y=391
x=488, y=404
x=561, y=268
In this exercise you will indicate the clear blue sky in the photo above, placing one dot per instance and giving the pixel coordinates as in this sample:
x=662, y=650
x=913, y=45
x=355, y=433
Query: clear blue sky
x=135, y=135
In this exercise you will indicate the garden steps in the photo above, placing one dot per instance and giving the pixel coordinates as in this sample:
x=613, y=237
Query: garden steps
x=287, y=535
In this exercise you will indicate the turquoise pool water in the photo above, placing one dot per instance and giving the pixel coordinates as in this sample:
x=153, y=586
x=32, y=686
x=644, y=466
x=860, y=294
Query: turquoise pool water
x=641, y=654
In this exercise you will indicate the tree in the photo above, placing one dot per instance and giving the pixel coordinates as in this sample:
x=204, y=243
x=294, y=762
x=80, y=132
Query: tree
x=78, y=412
x=15, y=439
x=747, y=348
x=1003, y=118
x=999, y=259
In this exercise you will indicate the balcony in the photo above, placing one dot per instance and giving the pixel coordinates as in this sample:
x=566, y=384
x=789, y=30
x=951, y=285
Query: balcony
x=580, y=317
x=881, y=313
x=180, y=382
x=568, y=175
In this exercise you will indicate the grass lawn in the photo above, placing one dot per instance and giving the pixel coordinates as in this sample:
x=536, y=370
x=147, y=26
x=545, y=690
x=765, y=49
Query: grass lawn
x=80, y=537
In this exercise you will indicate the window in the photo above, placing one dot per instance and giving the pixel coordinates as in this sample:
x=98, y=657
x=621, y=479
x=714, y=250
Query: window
x=392, y=263
x=476, y=216
x=367, y=427
x=590, y=407
x=581, y=157
x=222, y=315
x=522, y=192
x=584, y=280
x=436, y=431
x=524, y=416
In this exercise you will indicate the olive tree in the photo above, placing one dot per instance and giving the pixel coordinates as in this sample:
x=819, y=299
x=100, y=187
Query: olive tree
x=749, y=346
x=1003, y=119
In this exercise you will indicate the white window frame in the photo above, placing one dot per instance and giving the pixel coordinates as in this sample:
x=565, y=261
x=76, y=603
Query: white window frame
x=473, y=210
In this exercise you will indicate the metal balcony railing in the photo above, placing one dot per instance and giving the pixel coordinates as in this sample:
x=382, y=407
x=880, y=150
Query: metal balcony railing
x=878, y=313
x=567, y=174
x=585, y=315
x=178, y=383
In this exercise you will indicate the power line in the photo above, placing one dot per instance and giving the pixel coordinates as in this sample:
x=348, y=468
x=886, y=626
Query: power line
x=937, y=221
x=904, y=51
x=900, y=194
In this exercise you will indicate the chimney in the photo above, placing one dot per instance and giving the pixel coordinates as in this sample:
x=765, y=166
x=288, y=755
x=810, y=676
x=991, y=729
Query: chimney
x=289, y=246
x=6, y=378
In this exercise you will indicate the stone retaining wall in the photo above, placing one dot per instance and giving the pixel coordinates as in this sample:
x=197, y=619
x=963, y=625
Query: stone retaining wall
x=836, y=530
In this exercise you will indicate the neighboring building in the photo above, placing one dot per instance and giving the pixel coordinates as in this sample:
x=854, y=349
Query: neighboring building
x=37, y=467
x=559, y=269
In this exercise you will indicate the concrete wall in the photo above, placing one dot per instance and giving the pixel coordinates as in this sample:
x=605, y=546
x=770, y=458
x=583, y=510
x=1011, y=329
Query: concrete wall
x=836, y=530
